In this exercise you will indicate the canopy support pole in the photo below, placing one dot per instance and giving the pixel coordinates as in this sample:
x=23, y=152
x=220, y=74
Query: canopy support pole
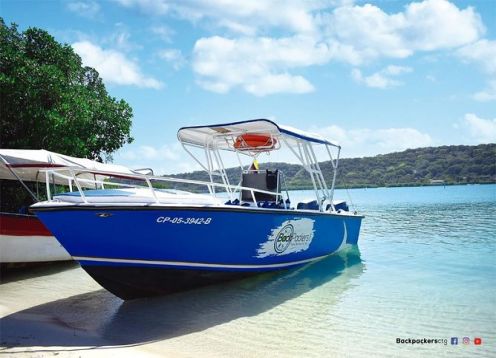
x=335, y=166
x=19, y=179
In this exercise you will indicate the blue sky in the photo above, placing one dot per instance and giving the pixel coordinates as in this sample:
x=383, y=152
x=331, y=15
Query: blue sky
x=377, y=76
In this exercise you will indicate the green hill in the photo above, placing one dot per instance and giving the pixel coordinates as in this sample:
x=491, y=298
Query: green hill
x=457, y=164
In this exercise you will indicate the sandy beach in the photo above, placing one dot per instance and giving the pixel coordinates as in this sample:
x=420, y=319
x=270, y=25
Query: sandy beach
x=59, y=310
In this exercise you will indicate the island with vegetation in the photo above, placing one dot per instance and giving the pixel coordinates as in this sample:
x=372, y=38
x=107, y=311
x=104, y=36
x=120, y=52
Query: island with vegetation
x=446, y=165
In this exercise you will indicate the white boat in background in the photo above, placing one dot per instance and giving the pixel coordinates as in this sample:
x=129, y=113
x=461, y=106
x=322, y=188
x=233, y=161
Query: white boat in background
x=24, y=238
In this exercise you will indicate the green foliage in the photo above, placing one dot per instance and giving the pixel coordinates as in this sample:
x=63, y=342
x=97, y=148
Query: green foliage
x=13, y=196
x=451, y=164
x=50, y=101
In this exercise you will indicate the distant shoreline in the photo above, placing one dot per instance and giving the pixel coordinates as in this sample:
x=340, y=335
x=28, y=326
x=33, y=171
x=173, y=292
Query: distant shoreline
x=430, y=166
x=405, y=185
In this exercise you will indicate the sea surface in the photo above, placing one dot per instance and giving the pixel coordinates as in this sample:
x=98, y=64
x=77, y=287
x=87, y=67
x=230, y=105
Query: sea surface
x=424, y=269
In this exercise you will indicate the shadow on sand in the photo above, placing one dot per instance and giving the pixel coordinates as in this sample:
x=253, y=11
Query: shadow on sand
x=98, y=318
x=17, y=272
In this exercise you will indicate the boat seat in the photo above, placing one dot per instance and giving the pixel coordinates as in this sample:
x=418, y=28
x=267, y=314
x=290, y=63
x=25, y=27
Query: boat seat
x=309, y=205
x=339, y=205
x=267, y=204
x=138, y=195
x=266, y=180
x=313, y=205
x=274, y=205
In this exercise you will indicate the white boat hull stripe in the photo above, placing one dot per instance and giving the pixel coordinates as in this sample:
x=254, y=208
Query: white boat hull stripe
x=195, y=264
x=31, y=248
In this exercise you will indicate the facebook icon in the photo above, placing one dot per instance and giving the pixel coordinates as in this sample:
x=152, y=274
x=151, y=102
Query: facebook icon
x=454, y=341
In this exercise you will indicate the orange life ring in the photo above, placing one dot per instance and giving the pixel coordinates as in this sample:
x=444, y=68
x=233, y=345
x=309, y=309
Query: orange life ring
x=254, y=142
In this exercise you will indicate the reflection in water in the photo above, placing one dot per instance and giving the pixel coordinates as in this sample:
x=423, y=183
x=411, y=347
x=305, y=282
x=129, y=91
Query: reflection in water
x=99, y=318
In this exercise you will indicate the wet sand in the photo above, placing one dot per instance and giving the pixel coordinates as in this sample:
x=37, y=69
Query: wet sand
x=61, y=311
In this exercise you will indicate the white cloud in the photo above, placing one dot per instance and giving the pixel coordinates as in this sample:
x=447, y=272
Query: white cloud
x=371, y=33
x=174, y=57
x=353, y=34
x=393, y=70
x=119, y=39
x=383, y=78
x=480, y=129
x=152, y=7
x=150, y=153
x=483, y=53
x=436, y=24
x=236, y=27
x=165, y=159
x=235, y=15
x=278, y=83
x=488, y=94
x=164, y=32
x=367, y=31
x=367, y=142
x=88, y=9
x=376, y=80
x=315, y=32
x=113, y=66
x=122, y=40
x=426, y=25
x=431, y=78
x=258, y=65
x=164, y=152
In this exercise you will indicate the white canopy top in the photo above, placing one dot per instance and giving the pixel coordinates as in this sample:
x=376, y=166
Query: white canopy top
x=215, y=134
x=27, y=163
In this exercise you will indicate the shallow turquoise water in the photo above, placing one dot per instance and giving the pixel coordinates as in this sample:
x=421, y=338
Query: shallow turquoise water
x=429, y=269
x=425, y=267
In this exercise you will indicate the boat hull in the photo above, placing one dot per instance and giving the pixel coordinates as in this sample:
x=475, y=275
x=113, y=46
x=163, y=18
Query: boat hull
x=131, y=282
x=24, y=239
x=143, y=251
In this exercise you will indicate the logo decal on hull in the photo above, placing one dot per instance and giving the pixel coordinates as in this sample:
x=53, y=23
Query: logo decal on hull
x=290, y=237
x=283, y=238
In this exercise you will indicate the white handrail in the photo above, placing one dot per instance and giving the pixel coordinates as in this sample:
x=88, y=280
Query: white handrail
x=75, y=181
x=152, y=190
x=147, y=178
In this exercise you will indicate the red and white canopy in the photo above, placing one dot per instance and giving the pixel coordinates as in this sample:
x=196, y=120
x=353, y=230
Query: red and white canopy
x=27, y=164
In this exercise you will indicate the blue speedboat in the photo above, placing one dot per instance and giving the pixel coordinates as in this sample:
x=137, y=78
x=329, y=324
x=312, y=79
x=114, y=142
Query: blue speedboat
x=139, y=235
